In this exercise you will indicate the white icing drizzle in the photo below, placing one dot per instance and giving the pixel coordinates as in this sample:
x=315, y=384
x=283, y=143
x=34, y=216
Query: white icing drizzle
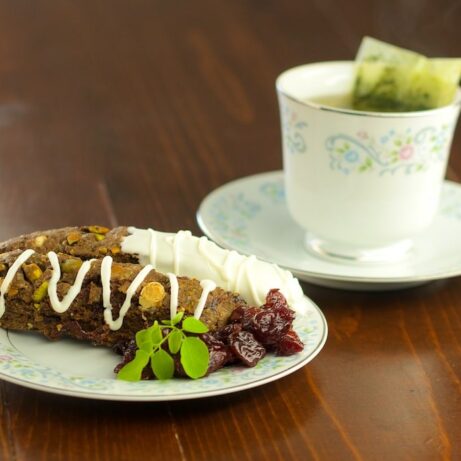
x=134, y=285
x=234, y=271
x=74, y=290
x=174, y=293
x=238, y=276
x=200, y=243
x=244, y=271
x=10, y=276
x=186, y=255
x=153, y=247
x=207, y=287
x=249, y=266
x=106, y=271
x=220, y=268
x=228, y=264
x=177, y=249
x=224, y=270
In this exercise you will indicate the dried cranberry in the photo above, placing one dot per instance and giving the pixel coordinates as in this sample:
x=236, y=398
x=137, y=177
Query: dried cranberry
x=275, y=299
x=245, y=316
x=178, y=368
x=237, y=314
x=220, y=353
x=289, y=344
x=147, y=373
x=269, y=326
x=224, y=333
x=128, y=350
x=246, y=348
x=121, y=346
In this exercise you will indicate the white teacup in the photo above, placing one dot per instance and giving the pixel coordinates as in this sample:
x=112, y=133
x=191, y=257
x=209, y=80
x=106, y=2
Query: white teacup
x=362, y=184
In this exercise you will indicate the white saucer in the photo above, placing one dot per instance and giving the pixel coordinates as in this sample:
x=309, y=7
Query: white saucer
x=250, y=215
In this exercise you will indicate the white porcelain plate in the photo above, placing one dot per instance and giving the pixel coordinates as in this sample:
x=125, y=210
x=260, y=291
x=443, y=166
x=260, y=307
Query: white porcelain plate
x=250, y=215
x=78, y=369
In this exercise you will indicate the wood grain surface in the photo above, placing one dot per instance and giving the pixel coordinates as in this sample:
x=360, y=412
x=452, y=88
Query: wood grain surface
x=117, y=112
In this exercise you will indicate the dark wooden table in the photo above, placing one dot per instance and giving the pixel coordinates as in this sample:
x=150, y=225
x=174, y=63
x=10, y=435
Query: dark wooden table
x=119, y=112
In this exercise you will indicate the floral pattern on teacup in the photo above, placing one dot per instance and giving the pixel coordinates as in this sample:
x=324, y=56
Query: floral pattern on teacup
x=293, y=131
x=229, y=216
x=407, y=151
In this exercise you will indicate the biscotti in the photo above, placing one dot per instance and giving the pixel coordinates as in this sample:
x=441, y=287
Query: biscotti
x=62, y=295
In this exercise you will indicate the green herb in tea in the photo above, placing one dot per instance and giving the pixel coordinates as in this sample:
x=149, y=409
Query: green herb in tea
x=392, y=79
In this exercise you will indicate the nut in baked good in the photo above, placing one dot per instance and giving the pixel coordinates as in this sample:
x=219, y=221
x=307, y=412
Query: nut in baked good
x=152, y=295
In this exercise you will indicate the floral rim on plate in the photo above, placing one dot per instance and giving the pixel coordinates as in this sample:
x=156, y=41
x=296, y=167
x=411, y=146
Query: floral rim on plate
x=22, y=369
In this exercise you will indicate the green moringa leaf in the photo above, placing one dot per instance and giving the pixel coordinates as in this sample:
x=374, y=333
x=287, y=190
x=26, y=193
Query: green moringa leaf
x=194, y=357
x=156, y=333
x=146, y=346
x=193, y=325
x=132, y=370
x=162, y=364
x=143, y=336
x=177, y=318
x=144, y=340
x=174, y=341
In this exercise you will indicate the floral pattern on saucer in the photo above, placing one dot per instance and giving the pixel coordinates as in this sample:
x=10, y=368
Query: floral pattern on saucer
x=274, y=191
x=231, y=215
x=408, y=151
x=17, y=367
